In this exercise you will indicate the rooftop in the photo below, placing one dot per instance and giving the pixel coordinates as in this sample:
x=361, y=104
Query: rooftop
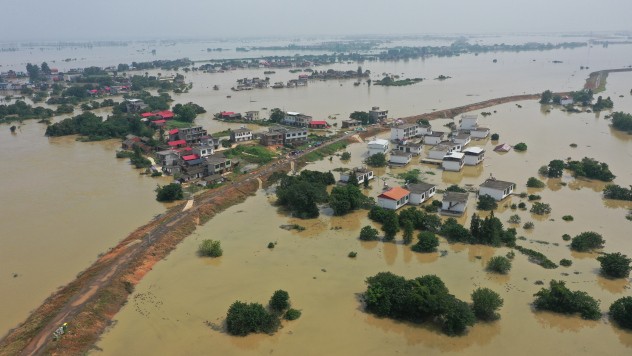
x=441, y=147
x=474, y=150
x=177, y=143
x=436, y=134
x=455, y=197
x=394, y=193
x=379, y=141
x=419, y=187
x=400, y=153
x=453, y=155
x=405, y=126
x=497, y=184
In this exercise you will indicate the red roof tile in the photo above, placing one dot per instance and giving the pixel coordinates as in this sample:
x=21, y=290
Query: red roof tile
x=318, y=122
x=166, y=114
x=173, y=132
x=395, y=193
x=147, y=114
x=159, y=122
x=190, y=157
x=177, y=143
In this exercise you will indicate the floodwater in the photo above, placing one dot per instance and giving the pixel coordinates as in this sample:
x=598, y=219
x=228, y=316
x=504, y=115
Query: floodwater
x=180, y=306
x=64, y=202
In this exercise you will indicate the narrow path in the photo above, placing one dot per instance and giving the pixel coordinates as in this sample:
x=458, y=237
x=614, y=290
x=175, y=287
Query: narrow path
x=188, y=205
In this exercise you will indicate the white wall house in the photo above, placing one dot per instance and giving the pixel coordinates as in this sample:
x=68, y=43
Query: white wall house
x=404, y=132
x=241, y=134
x=393, y=198
x=203, y=150
x=566, y=100
x=468, y=121
x=453, y=161
x=361, y=174
x=479, y=132
x=296, y=119
x=496, y=189
x=378, y=146
x=473, y=156
x=454, y=203
x=461, y=138
x=425, y=130
x=434, y=138
x=420, y=192
x=439, y=151
x=400, y=158
x=414, y=148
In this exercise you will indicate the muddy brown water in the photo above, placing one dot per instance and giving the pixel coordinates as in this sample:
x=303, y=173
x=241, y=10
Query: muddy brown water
x=179, y=308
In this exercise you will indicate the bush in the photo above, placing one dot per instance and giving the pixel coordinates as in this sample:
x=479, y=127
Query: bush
x=352, y=254
x=615, y=265
x=455, y=188
x=514, y=219
x=243, y=319
x=566, y=237
x=537, y=257
x=210, y=248
x=499, y=264
x=613, y=191
x=486, y=202
x=621, y=312
x=520, y=147
x=540, y=208
x=565, y=262
x=522, y=205
x=528, y=225
x=428, y=242
x=368, y=234
x=376, y=160
x=544, y=171
x=485, y=304
x=271, y=245
x=568, y=218
x=587, y=241
x=534, y=197
x=495, y=137
x=292, y=314
x=534, y=182
x=169, y=192
x=345, y=156
x=280, y=301
x=560, y=299
x=457, y=317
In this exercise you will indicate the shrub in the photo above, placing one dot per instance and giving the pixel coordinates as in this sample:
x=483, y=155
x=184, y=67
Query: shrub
x=244, y=318
x=565, y=262
x=499, y=264
x=520, y=147
x=455, y=188
x=458, y=317
x=566, y=237
x=280, y=301
x=352, y=254
x=621, y=312
x=560, y=299
x=169, y=192
x=368, y=234
x=345, y=156
x=544, y=171
x=514, y=219
x=534, y=197
x=514, y=206
x=292, y=314
x=495, y=137
x=534, y=182
x=587, y=241
x=537, y=257
x=376, y=160
x=428, y=242
x=615, y=265
x=210, y=248
x=612, y=191
x=485, y=304
x=540, y=208
x=522, y=205
x=568, y=218
x=486, y=202
x=270, y=245
x=528, y=225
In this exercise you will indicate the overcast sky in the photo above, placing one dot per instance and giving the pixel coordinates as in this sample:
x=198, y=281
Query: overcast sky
x=157, y=19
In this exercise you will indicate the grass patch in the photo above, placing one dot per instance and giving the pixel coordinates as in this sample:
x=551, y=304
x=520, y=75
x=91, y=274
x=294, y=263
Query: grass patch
x=251, y=154
x=537, y=257
x=324, y=151
x=175, y=124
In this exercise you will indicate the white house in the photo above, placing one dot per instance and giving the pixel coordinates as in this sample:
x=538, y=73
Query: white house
x=425, y=130
x=393, y=198
x=414, y=148
x=461, y=138
x=439, y=151
x=400, y=158
x=496, y=189
x=203, y=150
x=241, y=134
x=377, y=115
x=378, y=146
x=296, y=119
x=479, y=132
x=473, y=156
x=420, y=192
x=453, y=161
x=434, y=138
x=361, y=174
x=404, y=132
x=566, y=100
x=454, y=203
x=468, y=121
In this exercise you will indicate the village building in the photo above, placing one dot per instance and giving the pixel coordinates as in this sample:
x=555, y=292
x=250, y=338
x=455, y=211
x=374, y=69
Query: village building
x=400, y=158
x=566, y=100
x=404, y=132
x=203, y=150
x=318, y=124
x=454, y=203
x=362, y=174
x=473, y=156
x=229, y=115
x=420, y=192
x=377, y=115
x=271, y=138
x=191, y=135
x=134, y=105
x=291, y=135
x=350, y=124
x=393, y=198
x=503, y=147
x=425, y=130
x=439, y=151
x=218, y=164
x=434, y=138
x=177, y=143
x=378, y=146
x=241, y=134
x=414, y=148
x=479, y=132
x=167, y=158
x=461, y=138
x=252, y=115
x=496, y=189
x=468, y=121
x=296, y=119
x=453, y=161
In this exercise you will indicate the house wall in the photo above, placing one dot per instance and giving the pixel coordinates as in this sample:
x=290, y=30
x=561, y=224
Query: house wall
x=432, y=140
x=469, y=123
x=392, y=204
x=473, y=160
x=495, y=193
x=453, y=166
x=437, y=154
x=457, y=208
x=373, y=149
x=399, y=159
x=479, y=134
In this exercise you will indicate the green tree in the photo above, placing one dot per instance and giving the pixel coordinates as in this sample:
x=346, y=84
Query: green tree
x=361, y=116
x=622, y=121
x=556, y=168
x=390, y=225
x=353, y=179
x=546, y=97
x=615, y=265
x=45, y=69
x=344, y=199
x=495, y=137
x=277, y=115
x=486, y=303
x=534, y=182
x=210, y=248
x=409, y=230
x=587, y=241
x=368, y=234
x=621, y=312
x=458, y=316
x=520, y=147
x=376, y=160
x=486, y=202
x=185, y=113
x=560, y=299
x=280, y=301
x=455, y=188
x=499, y=264
x=169, y=192
x=33, y=72
x=428, y=242
x=345, y=156
x=540, y=208
x=243, y=319
x=613, y=191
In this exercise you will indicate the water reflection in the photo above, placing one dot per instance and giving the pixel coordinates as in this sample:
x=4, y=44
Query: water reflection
x=612, y=285
x=564, y=323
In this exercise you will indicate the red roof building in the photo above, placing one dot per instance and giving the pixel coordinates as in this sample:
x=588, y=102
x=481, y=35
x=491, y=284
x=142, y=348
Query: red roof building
x=166, y=114
x=395, y=193
x=178, y=143
x=147, y=114
x=173, y=132
x=318, y=124
x=190, y=157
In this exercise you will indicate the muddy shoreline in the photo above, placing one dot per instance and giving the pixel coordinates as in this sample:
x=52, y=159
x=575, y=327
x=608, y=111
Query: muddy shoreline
x=90, y=302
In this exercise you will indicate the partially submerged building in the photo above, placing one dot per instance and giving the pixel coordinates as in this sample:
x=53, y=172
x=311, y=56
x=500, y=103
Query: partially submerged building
x=453, y=161
x=393, y=198
x=454, y=203
x=362, y=174
x=420, y=192
x=496, y=189
x=473, y=156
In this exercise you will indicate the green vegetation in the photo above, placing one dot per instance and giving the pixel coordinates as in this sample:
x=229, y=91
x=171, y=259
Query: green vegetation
x=565, y=262
x=210, y=248
x=325, y=151
x=279, y=301
x=169, y=192
x=420, y=220
x=292, y=314
x=22, y=111
x=389, y=81
x=584, y=96
x=489, y=231
x=534, y=182
x=389, y=295
x=534, y=197
x=486, y=202
x=271, y=245
x=301, y=193
x=455, y=232
x=345, y=156
x=615, y=265
x=514, y=219
x=613, y=191
x=566, y=237
x=411, y=176
x=352, y=254
x=568, y=218
x=522, y=206
x=495, y=137
x=277, y=115
x=175, y=124
x=540, y=208
x=187, y=112
x=546, y=97
x=622, y=121
x=376, y=160
x=555, y=168
x=537, y=257
x=520, y=147
x=485, y=303
x=390, y=225
x=603, y=104
x=243, y=319
x=528, y=225
x=95, y=128
x=409, y=230
x=362, y=116
x=428, y=242
x=347, y=198
x=591, y=168
x=560, y=299
x=587, y=241
x=368, y=234
x=455, y=188
x=253, y=154
x=621, y=312
x=499, y=264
